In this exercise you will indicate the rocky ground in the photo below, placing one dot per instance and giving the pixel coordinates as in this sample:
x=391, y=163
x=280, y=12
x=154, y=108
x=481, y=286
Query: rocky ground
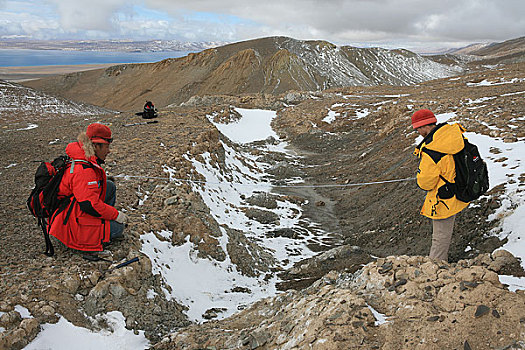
x=423, y=305
x=422, y=300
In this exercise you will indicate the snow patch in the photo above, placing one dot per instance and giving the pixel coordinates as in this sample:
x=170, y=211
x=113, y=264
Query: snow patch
x=512, y=210
x=253, y=126
x=380, y=318
x=151, y=294
x=224, y=185
x=514, y=283
x=200, y=283
x=29, y=127
x=501, y=81
x=330, y=118
x=361, y=113
x=64, y=335
x=24, y=312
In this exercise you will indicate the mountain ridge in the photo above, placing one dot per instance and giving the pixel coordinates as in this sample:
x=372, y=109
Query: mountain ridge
x=268, y=65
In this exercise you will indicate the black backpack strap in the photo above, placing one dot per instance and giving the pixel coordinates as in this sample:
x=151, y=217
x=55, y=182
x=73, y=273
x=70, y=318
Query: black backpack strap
x=69, y=211
x=50, y=250
x=443, y=178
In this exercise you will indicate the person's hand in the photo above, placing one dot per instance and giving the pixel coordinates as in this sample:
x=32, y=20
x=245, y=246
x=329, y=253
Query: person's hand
x=121, y=218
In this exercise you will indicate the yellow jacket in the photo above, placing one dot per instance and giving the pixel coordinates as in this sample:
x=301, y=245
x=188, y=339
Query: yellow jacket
x=435, y=152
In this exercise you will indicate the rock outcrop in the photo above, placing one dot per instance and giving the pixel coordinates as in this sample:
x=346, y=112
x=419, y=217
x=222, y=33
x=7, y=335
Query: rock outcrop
x=392, y=303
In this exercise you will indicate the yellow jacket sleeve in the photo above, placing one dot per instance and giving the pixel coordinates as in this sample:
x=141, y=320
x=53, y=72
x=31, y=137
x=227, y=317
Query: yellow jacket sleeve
x=428, y=173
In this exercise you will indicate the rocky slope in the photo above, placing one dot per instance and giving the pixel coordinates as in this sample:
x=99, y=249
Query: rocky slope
x=341, y=137
x=510, y=48
x=394, y=303
x=476, y=55
x=269, y=65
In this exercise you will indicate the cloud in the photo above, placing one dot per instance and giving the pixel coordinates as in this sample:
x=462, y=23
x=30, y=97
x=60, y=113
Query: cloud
x=353, y=20
x=25, y=25
x=381, y=22
x=92, y=15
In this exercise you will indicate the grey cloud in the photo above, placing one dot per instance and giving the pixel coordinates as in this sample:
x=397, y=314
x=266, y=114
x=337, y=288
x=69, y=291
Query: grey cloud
x=92, y=15
x=338, y=21
x=348, y=19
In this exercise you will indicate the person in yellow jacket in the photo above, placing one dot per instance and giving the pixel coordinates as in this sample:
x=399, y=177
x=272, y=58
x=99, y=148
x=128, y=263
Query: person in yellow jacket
x=440, y=143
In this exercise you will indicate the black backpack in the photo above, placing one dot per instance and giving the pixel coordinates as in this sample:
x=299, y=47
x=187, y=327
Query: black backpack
x=43, y=201
x=472, y=177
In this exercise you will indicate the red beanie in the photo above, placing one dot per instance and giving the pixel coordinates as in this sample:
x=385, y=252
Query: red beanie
x=99, y=133
x=423, y=117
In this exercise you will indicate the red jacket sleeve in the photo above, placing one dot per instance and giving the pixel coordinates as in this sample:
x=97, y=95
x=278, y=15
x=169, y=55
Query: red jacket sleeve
x=87, y=190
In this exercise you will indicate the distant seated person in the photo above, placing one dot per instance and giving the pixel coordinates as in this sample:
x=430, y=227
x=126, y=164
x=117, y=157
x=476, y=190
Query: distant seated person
x=90, y=218
x=149, y=111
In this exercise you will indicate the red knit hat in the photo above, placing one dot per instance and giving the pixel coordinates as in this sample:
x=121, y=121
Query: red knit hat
x=423, y=117
x=99, y=133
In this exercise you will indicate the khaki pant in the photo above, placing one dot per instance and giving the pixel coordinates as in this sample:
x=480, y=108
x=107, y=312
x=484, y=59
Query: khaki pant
x=441, y=237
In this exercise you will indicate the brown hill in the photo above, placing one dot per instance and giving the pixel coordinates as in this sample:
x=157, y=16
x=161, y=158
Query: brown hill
x=510, y=51
x=269, y=65
x=505, y=48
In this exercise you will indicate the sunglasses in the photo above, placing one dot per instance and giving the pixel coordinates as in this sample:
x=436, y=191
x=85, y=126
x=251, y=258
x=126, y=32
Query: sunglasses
x=105, y=139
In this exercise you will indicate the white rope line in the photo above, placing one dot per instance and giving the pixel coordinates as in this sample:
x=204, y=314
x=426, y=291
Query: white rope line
x=256, y=185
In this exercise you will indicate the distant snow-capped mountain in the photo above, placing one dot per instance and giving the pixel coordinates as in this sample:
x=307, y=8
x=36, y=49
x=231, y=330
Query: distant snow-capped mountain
x=110, y=45
x=268, y=65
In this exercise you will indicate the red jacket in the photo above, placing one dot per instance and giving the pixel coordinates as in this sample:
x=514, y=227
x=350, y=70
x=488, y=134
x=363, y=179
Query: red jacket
x=88, y=223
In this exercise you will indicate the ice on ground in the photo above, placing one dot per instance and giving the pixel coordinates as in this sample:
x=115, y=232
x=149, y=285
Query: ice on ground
x=253, y=126
x=21, y=100
x=332, y=115
x=501, y=81
x=330, y=118
x=479, y=100
x=513, y=93
x=362, y=113
x=445, y=117
x=512, y=210
x=29, y=127
x=514, y=283
x=203, y=284
x=200, y=283
x=24, y=312
x=380, y=318
x=151, y=294
x=64, y=335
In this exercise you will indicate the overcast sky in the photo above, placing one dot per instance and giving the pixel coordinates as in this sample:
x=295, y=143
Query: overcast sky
x=409, y=24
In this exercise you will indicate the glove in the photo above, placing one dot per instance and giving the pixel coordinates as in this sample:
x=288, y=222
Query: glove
x=121, y=218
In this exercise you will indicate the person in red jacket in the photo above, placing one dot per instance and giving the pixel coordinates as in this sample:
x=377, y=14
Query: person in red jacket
x=89, y=219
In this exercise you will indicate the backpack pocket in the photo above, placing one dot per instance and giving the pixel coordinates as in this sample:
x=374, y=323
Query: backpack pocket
x=446, y=191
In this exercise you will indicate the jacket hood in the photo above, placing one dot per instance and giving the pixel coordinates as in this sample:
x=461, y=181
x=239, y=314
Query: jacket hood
x=75, y=151
x=445, y=138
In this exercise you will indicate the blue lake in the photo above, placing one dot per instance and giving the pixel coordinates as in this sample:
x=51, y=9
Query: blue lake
x=13, y=58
